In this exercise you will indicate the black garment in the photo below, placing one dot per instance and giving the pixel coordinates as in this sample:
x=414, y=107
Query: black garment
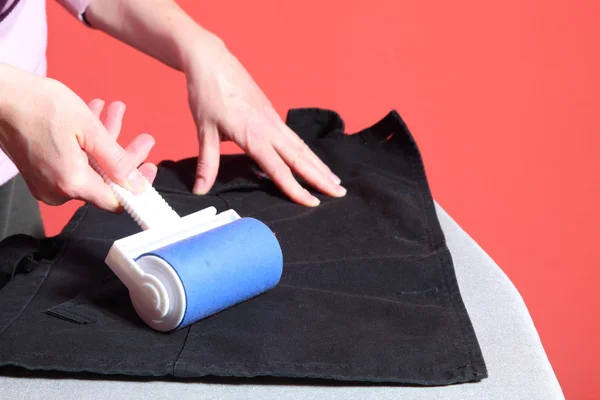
x=368, y=291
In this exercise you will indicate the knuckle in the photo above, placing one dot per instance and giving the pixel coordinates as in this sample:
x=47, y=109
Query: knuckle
x=202, y=167
x=296, y=160
x=284, y=177
x=300, y=157
x=52, y=104
x=253, y=140
x=307, y=152
x=277, y=175
x=122, y=167
x=88, y=140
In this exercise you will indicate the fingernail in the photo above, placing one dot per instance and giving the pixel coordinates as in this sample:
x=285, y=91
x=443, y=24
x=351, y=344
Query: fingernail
x=114, y=203
x=199, y=187
x=313, y=202
x=97, y=105
x=336, y=179
x=137, y=182
x=341, y=191
x=120, y=111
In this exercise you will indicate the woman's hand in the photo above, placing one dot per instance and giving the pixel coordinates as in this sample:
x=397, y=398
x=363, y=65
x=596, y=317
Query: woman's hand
x=112, y=121
x=48, y=132
x=225, y=102
x=228, y=105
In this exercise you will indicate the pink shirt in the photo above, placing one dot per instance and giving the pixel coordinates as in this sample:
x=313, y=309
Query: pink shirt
x=23, y=40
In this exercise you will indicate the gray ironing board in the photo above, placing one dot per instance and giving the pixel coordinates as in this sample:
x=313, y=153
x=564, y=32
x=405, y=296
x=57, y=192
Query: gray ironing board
x=517, y=363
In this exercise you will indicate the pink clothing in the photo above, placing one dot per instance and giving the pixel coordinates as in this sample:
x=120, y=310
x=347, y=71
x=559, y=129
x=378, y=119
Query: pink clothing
x=23, y=40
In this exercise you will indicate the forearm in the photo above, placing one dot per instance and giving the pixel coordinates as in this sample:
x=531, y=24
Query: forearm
x=159, y=28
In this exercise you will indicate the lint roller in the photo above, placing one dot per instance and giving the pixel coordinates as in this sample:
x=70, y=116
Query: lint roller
x=179, y=270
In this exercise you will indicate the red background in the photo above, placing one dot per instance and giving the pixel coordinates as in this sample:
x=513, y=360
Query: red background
x=501, y=96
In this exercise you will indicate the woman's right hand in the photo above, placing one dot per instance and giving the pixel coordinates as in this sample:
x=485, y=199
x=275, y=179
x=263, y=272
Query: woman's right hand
x=49, y=132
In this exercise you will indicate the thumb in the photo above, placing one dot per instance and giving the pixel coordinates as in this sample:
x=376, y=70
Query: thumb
x=208, y=158
x=97, y=192
x=119, y=164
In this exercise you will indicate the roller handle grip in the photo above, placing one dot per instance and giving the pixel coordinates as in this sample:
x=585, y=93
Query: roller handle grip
x=148, y=209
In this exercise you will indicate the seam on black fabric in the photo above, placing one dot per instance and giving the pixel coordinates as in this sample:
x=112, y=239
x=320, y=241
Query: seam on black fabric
x=82, y=299
x=184, y=361
x=389, y=257
x=443, y=262
x=71, y=316
x=187, y=335
x=351, y=367
x=436, y=241
x=227, y=205
x=27, y=302
x=365, y=296
x=418, y=170
x=285, y=219
x=461, y=374
x=237, y=186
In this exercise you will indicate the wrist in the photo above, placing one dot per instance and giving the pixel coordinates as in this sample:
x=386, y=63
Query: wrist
x=187, y=39
x=194, y=43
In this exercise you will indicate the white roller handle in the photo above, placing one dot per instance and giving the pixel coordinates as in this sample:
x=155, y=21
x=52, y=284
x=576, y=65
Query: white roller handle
x=148, y=208
x=150, y=211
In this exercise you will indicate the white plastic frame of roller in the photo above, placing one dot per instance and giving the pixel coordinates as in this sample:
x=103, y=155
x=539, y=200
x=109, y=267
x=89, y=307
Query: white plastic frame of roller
x=155, y=289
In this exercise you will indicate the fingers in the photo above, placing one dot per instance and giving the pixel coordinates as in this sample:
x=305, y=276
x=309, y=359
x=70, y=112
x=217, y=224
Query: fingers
x=295, y=141
x=112, y=121
x=289, y=150
x=120, y=164
x=114, y=118
x=140, y=145
x=270, y=162
x=96, y=105
x=208, y=158
x=149, y=171
x=136, y=152
x=306, y=164
x=313, y=157
x=97, y=192
x=100, y=142
x=139, y=148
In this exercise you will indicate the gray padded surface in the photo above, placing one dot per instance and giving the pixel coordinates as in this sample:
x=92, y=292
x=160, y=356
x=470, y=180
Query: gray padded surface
x=517, y=364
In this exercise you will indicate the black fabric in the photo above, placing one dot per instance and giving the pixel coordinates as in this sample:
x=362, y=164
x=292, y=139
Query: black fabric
x=368, y=291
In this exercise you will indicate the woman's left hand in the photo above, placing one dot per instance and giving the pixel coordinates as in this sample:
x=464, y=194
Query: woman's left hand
x=228, y=105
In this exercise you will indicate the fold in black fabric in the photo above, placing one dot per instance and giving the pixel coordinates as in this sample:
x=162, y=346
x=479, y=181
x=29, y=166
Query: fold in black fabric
x=368, y=291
